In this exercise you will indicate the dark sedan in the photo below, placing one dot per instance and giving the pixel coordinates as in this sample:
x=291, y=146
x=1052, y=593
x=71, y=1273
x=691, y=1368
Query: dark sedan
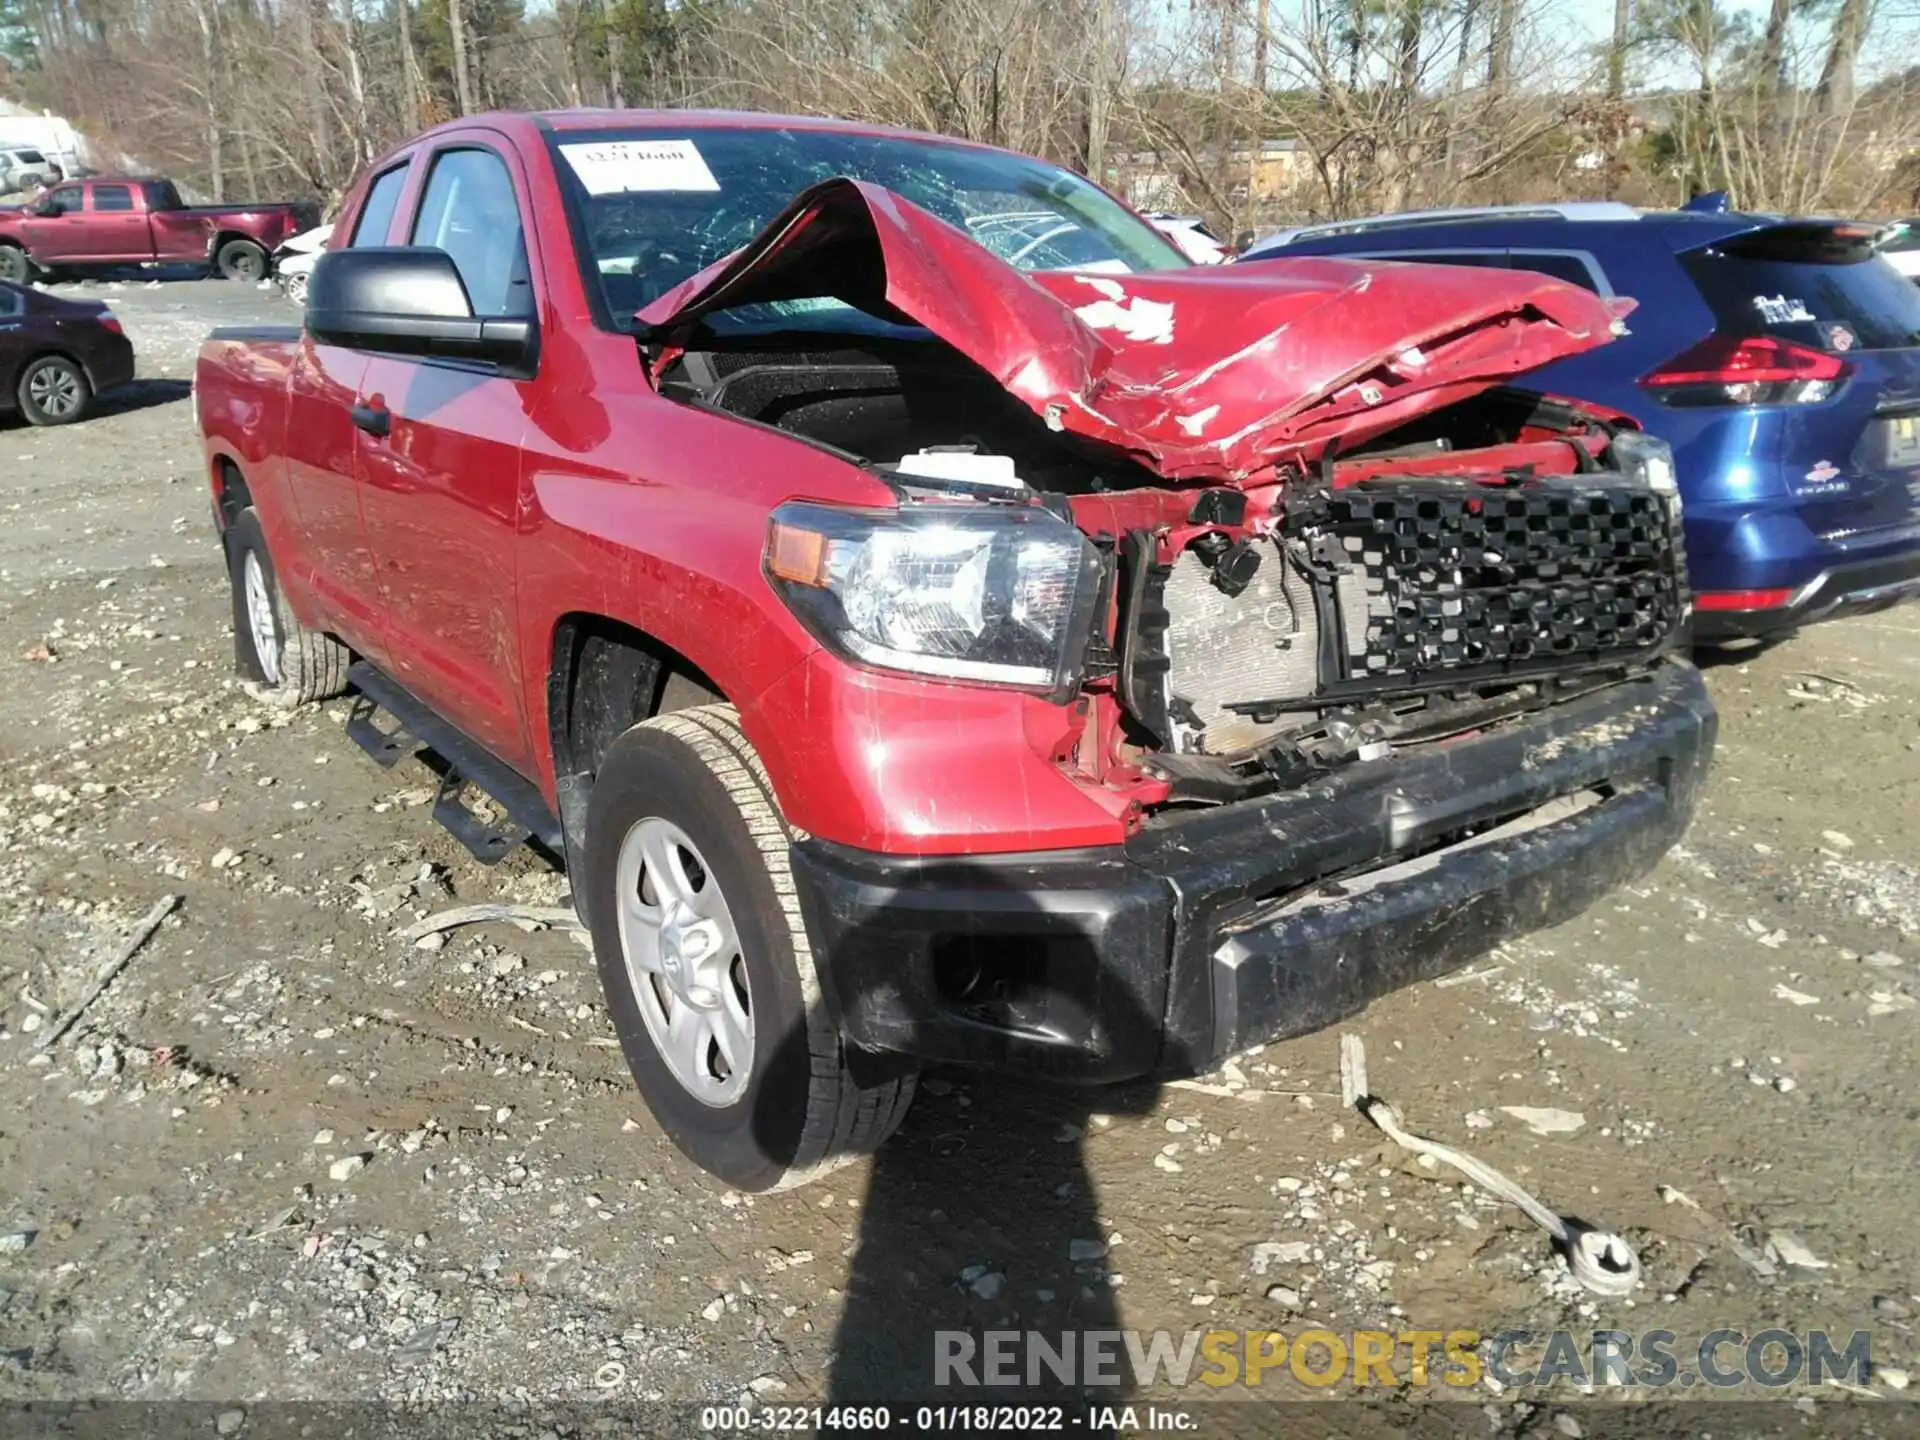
x=56, y=355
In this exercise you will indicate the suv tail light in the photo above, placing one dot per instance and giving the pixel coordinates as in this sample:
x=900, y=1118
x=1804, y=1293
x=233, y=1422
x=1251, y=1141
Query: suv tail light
x=1747, y=370
x=1741, y=599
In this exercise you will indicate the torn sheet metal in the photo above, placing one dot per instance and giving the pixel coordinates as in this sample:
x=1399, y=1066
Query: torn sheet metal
x=1213, y=373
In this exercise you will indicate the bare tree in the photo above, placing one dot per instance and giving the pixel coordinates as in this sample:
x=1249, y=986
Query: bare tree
x=462, y=79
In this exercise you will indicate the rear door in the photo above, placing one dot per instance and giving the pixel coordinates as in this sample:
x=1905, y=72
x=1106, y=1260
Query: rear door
x=322, y=459
x=116, y=227
x=440, y=464
x=1849, y=452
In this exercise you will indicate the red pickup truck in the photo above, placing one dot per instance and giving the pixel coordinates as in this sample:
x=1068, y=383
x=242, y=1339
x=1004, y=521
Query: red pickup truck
x=110, y=221
x=934, y=622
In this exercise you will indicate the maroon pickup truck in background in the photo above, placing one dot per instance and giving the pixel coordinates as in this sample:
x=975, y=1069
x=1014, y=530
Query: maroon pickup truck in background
x=116, y=221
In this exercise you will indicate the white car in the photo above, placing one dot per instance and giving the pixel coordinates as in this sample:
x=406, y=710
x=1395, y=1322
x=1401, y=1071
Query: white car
x=1900, y=248
x=293, y=262
x=22, y=168
x=1191, y=235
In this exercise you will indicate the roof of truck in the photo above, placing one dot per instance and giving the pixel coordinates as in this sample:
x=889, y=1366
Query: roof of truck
x=586, y=119
x=598, y=119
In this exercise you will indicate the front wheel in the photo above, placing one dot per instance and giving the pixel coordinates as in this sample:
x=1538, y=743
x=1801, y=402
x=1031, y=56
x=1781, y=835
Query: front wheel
x=705, y=959
x=241, y=260
x=273, y=648
x=297, y=288
x=54, y=390
x=15, y=267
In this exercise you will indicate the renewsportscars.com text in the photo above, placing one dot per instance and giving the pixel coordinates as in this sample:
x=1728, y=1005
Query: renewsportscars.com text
x=1658, y=1359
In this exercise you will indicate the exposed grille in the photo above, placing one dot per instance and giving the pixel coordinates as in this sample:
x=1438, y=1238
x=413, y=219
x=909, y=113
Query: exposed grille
x=1459, y=577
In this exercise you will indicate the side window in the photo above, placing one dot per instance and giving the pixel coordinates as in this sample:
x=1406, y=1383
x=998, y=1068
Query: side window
x=1488, y=259
x=1570, y=268
x=376, y=216
x=112, y=197
x=63, y=201
x=470, y=212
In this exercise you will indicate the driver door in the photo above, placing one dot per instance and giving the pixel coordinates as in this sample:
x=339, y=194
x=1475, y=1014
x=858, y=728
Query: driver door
x=440, y=464
x=55, y=228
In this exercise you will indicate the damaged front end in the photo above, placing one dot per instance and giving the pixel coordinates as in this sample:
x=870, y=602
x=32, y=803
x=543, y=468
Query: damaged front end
x=1243, y=525
x=1390, y=610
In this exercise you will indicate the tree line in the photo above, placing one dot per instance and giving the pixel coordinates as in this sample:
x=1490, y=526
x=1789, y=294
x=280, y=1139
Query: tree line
x=1252, y=112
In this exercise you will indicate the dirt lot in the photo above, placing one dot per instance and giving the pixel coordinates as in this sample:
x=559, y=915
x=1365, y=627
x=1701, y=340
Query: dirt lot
x=1739, y=1028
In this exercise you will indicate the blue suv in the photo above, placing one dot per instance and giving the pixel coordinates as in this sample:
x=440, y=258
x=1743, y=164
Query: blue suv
x=1780, y=358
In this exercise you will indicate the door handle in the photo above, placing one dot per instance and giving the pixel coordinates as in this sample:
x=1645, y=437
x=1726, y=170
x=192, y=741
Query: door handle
x=374, y=419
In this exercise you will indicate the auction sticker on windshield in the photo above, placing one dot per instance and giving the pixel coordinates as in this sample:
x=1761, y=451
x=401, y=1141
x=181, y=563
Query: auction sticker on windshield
x=616, y=167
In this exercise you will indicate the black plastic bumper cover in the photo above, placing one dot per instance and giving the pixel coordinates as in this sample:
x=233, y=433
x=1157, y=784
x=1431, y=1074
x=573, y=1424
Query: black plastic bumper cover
x=1861, y=588
x=1221, y=928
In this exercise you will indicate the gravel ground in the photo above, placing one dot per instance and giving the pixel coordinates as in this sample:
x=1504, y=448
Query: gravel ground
x=288, y=1155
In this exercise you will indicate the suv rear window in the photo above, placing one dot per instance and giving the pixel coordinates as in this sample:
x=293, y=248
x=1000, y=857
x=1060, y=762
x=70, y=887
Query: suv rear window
x=1808, y=284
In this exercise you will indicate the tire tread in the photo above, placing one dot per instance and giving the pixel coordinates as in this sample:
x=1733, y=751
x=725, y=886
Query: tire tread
x=313, y=665
x=844, y=1120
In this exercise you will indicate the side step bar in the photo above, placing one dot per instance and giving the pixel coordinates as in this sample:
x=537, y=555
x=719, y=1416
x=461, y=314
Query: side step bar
x=467, y=762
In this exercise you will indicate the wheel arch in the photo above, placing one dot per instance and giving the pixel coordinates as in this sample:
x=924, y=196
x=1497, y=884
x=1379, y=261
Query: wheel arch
x=603, y=677
x=231, y=493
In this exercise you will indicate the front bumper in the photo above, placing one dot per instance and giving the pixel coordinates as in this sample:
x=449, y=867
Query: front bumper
x=1857, y=588
x=1223, y=928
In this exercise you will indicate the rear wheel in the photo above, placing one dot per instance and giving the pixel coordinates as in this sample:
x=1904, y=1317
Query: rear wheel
x=53, y=390
x=14, y=265
x=708, y=972
x=241, y=260
x=274, y=648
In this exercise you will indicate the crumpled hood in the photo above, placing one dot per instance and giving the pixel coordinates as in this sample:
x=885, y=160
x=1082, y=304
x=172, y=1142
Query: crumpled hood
x=1211, y=373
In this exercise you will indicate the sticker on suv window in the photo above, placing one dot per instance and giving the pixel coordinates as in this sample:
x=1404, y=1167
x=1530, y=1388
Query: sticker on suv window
x=1781, y=309
x=617, y=167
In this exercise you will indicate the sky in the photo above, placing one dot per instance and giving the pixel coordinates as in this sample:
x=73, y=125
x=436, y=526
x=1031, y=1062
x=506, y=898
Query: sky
x=1595, y=17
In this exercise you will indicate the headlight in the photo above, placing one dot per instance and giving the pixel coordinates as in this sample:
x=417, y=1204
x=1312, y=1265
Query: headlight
x=997, y=594
x=1641, y=457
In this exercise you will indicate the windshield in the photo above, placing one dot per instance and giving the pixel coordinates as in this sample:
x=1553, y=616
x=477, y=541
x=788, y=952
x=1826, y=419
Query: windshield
x=652, y=207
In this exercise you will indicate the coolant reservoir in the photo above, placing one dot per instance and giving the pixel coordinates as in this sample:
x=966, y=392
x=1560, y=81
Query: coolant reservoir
x=962, y=465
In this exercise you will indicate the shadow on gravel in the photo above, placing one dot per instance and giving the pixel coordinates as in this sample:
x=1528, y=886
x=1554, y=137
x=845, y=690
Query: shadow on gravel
x=123, y=400
x=984, y=1216
x=1721, y=657
x=66, y=282
x=140, y=395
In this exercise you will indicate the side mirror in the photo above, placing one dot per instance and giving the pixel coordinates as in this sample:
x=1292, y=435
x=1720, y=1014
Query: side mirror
x=409, y=300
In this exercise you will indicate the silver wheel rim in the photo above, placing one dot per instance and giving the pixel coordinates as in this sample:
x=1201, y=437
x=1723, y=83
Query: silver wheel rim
x=260, y=619
x=54, y=390
x=683, y=961
x=297, y=289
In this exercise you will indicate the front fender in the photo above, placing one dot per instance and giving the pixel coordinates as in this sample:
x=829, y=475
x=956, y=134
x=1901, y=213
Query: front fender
x=654, y=515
